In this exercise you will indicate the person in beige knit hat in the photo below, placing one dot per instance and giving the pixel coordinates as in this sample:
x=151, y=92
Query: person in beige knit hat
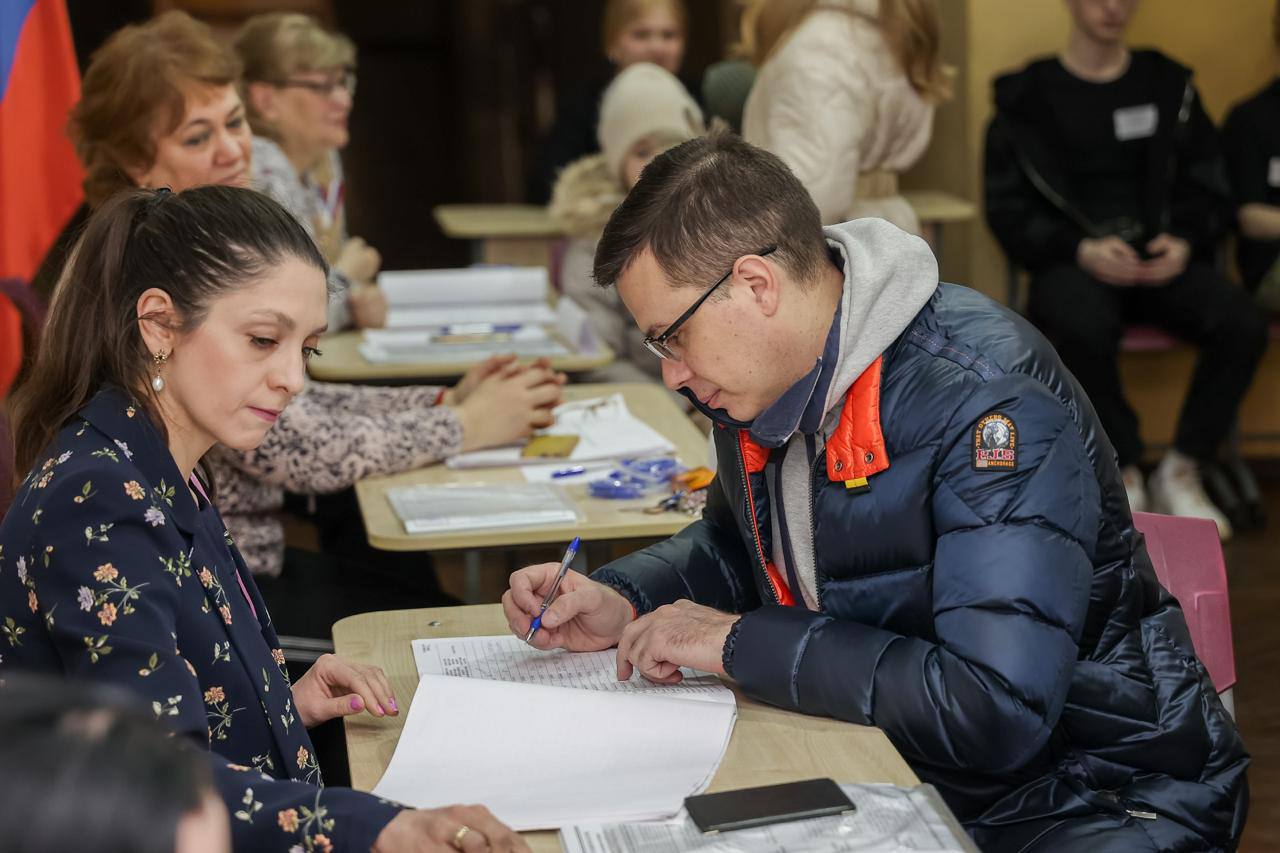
x=645, y=111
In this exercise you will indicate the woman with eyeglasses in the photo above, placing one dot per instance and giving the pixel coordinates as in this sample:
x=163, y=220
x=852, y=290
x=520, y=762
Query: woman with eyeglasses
x=299, y=84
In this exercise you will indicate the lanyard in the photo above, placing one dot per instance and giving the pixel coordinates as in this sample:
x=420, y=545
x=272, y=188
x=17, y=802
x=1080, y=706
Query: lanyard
x=199, y=487
x=329, y=198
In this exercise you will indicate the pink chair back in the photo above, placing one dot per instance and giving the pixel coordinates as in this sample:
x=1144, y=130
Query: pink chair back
x=1187, y=556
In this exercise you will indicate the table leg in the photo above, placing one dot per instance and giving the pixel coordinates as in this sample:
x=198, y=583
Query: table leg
x=471, y=560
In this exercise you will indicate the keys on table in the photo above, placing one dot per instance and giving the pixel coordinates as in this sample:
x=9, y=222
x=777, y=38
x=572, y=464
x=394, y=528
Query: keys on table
x=690, y=503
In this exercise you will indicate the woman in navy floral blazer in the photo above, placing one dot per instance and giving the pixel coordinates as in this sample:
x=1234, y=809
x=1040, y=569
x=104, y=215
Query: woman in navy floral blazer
x=184, y=320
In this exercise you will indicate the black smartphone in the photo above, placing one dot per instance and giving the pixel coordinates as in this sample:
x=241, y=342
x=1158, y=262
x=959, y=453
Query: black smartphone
x=747, y=807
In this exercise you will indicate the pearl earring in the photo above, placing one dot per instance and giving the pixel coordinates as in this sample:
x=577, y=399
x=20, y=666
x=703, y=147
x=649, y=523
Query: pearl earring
x=157, y=381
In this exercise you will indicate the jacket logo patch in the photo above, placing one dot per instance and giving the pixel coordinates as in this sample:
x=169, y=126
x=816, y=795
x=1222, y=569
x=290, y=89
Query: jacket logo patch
x=995, y=443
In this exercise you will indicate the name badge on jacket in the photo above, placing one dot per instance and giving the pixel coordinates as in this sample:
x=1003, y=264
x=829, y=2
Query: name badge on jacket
x=1136, y=122
x=1273, y=172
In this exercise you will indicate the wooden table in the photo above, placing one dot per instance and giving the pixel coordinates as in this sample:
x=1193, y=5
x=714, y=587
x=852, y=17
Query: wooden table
x=604, y=519
x=935, y=209
x=522, y=234
x=768, y=746
x=516, y=234
x=342, y=362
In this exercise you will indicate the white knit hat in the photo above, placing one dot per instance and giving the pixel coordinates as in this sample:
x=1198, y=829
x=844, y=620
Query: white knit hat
x=643, y=100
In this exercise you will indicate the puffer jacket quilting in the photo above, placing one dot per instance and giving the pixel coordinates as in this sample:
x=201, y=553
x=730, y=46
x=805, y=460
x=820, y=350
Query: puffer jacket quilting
x=935, y=579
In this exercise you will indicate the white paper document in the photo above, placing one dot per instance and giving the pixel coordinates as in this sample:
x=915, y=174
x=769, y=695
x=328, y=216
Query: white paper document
x=507, y=658
x=606, y=429
x=888, y=819
x=530, y=342
x=436, y=509
x=555, y=739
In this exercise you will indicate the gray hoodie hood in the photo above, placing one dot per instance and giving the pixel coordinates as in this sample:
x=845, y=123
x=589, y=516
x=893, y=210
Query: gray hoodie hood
x=889, y=275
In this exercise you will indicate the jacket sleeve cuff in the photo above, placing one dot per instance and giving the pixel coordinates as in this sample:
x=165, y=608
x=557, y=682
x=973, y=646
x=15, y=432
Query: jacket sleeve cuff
x=362, y=817
x=805, y=661
x=627, y=588
x=730, y=643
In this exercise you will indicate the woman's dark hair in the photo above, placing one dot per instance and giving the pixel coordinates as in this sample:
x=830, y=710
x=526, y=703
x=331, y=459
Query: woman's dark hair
x=195, y=245
x=85, y=768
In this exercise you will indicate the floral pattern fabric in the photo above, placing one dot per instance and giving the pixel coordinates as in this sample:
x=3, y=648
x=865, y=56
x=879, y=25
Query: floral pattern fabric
x=326, y=440
x=111, y=571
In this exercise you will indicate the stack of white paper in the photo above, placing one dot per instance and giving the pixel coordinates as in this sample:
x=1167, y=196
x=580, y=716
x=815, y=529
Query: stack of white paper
x=545, y=739
x=420, y=346
x=434, y=509
x=606, y=429
x=498, y=295
x=888, y=819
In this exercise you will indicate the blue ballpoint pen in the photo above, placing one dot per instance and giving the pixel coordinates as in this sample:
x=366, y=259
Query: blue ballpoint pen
x=569, y=554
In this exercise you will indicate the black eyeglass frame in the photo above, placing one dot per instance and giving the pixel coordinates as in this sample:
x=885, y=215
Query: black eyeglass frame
x=658, y=344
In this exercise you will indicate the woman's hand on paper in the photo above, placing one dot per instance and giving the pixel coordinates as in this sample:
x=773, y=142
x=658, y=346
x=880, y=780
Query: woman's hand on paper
x=585, y=617
x=509, y=405
x=675, y=635
x=335, y=687
x=440, y=831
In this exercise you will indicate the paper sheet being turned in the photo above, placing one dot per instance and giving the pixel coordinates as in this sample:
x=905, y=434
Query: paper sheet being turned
x=888, y=820
x=541, y=756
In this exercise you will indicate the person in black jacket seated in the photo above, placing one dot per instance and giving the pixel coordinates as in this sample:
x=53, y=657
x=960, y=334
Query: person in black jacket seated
x=1251, y=141
x=917, y=523
x=631, y=31
x=1104, y=180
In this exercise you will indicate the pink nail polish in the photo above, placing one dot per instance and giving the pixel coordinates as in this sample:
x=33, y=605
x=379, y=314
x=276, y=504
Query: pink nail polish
x=392, y=703
x=380, y=711
x=355, y=703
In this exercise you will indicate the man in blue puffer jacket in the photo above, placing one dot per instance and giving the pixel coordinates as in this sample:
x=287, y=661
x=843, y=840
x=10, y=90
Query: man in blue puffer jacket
x=917, y=524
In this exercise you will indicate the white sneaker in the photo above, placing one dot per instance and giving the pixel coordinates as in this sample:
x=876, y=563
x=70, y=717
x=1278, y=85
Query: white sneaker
x=1176, y=490
x=1135, y=487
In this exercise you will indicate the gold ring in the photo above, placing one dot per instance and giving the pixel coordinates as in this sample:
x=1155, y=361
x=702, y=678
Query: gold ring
x=459, y=835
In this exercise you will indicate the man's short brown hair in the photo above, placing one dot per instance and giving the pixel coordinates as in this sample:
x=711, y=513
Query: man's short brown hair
x=702, y=205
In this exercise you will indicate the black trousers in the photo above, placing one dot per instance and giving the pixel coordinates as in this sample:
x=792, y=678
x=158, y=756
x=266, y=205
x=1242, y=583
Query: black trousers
x=1085, y=319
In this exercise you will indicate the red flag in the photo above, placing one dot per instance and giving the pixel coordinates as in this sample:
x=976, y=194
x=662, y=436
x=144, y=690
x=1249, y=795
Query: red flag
x=39, y=173
x=10, y=349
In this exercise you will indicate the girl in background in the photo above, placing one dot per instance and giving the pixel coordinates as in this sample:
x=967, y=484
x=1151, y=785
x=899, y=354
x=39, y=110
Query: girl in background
x=632, y=31
x=845, y=96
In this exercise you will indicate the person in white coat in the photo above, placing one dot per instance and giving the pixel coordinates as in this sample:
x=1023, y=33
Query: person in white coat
x=845, y=95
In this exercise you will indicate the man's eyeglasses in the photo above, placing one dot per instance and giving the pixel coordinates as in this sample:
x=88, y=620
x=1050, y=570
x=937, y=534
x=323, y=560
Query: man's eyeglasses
x=660, y=346
x=325, y=89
